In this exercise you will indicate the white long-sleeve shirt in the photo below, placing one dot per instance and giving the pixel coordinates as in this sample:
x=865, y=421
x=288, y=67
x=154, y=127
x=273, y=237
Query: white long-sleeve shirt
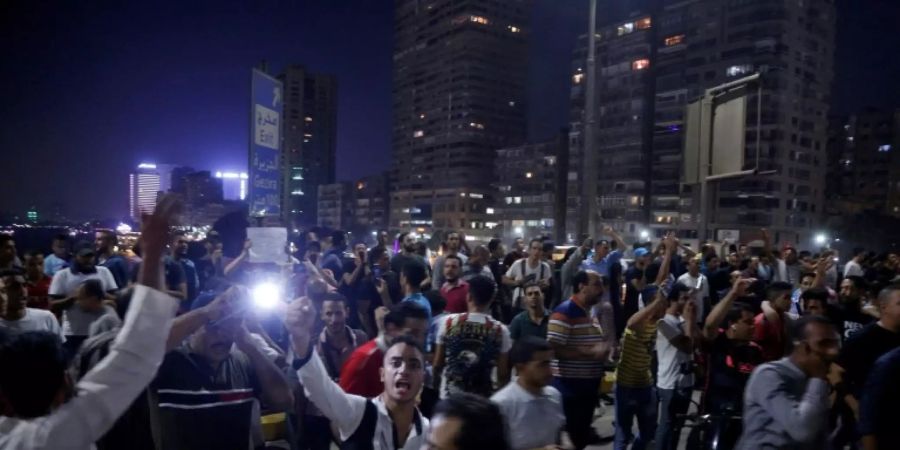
x=109, y=388
x=348, y=411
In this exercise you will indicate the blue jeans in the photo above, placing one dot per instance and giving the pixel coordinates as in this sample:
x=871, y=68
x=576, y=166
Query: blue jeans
x=631, y=402
x=672, y=403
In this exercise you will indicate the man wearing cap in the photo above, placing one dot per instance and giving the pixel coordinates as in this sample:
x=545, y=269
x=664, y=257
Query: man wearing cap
x=66, y=282
x=699, y=286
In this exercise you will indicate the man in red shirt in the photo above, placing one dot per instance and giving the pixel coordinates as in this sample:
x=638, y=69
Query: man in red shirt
x=770, y=326
x=454, y=289
x=38, y=281
x=360, y=374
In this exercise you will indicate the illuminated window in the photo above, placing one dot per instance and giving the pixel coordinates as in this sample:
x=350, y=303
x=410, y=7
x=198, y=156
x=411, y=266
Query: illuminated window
x=517, y=199
x=643, y=24
x=742, y=69
x=884, y=148
x=477, y=125
x=578, y=78
x=674, y=40
x=640, y=64
x=418, y=133
x=308, y=119
x=513, y=29
x=475, y=195
x=625, y=28
x=489, y=210
x=307, y=135
x=421, y=116
x=360, y=186
x=479, y=19
x=528, y=175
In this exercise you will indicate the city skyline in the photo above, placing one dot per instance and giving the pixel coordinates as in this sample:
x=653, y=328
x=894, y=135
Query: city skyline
x=149, y=85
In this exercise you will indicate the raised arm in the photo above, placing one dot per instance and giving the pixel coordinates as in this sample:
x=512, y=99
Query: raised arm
x=135, y=355
x=718, y=313
x=641, y=317
x=345, y=410
x=620, y=244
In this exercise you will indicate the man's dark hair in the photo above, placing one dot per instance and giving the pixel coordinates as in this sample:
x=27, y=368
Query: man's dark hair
x=481, y=289
x=449, y=257
x=338, y=239
x=109, y=233
x=858, y=282
x=436, y=300
x=885, y=293
x=402, y=236
x=708, y=258
x=736, y=313
x=777, y=289
x=405, y=310
x=858, y=251
x=530, y=284
x=815, y=294
x=4, y=238
x=548, y=247
x=34, y=365
x=806, y=274
x=61, y=237
x=457, y=233
x=94, y=288
x=377, y=253
x=415, y=273
x=493, y=244
x=535, y=240
x=677, y=290
x=581, y=277
x=482, y=423
x=525, y=347
x=333, y=297
x=404, y=339
x=798, y=327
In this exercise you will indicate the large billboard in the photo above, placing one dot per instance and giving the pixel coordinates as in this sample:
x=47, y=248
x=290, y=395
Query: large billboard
x=265, y=144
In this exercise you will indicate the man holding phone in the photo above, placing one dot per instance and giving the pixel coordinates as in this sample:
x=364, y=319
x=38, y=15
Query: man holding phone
x=525, y=270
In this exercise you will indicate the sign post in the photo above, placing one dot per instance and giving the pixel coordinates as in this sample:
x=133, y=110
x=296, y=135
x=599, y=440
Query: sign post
x=265, y=145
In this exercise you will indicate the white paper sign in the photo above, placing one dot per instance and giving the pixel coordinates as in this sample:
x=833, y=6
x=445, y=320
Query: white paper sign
x=269, y=244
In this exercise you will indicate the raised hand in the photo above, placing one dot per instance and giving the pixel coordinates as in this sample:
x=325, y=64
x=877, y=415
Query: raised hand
x=299, y=321
x=154, y=239
x=740, y=286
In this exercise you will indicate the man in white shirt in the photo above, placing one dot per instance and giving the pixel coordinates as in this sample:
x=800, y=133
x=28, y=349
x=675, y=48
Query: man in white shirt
x=33, y=395
x=66, y=282
x=528, y=269
x=675, y=379
x=15, y=318
x=698, y=284
x=531, y=407
x=388, y=421
x=854, y=266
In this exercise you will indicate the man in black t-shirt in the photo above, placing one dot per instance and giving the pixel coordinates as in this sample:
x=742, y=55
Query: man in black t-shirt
x=848, y=315
x=861, y=350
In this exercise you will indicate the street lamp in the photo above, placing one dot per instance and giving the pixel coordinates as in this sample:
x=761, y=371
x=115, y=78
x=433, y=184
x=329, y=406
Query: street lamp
x=821, y=239
x=518, y=231
x=645, y=234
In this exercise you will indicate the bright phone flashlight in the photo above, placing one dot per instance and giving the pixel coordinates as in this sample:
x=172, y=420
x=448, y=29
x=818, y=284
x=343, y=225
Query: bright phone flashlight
x=266, y=295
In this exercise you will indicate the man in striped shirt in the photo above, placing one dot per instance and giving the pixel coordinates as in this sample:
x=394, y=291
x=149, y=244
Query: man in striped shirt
x=635, y=395
x=579, y=351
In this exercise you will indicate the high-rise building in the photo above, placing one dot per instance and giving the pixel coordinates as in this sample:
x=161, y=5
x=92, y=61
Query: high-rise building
x=309, y=142
x=458, y=95
x=652, y=63
x=234, y=185
x=862, y=154
x=143, y=188
x=531, y=183
x=335, y=205
x=371, y=201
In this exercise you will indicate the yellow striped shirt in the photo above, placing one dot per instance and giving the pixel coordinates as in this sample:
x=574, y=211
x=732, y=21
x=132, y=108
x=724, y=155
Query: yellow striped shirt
x=633, y=369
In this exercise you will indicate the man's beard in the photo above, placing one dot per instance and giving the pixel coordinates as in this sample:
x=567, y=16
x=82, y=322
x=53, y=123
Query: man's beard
x=409, y=248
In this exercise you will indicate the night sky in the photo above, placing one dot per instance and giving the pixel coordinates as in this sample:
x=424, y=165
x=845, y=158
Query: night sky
x=89, y=91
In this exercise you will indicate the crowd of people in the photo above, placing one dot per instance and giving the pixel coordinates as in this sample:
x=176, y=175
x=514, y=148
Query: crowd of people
x=408, y=347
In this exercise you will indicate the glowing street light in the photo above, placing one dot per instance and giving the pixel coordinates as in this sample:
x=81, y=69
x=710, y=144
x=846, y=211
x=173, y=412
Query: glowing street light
x=645, y=234
x=821, y=239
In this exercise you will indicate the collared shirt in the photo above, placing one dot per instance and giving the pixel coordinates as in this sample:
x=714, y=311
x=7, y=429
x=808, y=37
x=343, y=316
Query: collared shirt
x=109, y=389
x=334, y=357
x=455, y=296
x=783, y=409
x=532, y=421
x=572, y=325
x=522, y=326
x=421, y=300
x=65, y=282
x=53, y=264
x=361, y=421
x=602, y=266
